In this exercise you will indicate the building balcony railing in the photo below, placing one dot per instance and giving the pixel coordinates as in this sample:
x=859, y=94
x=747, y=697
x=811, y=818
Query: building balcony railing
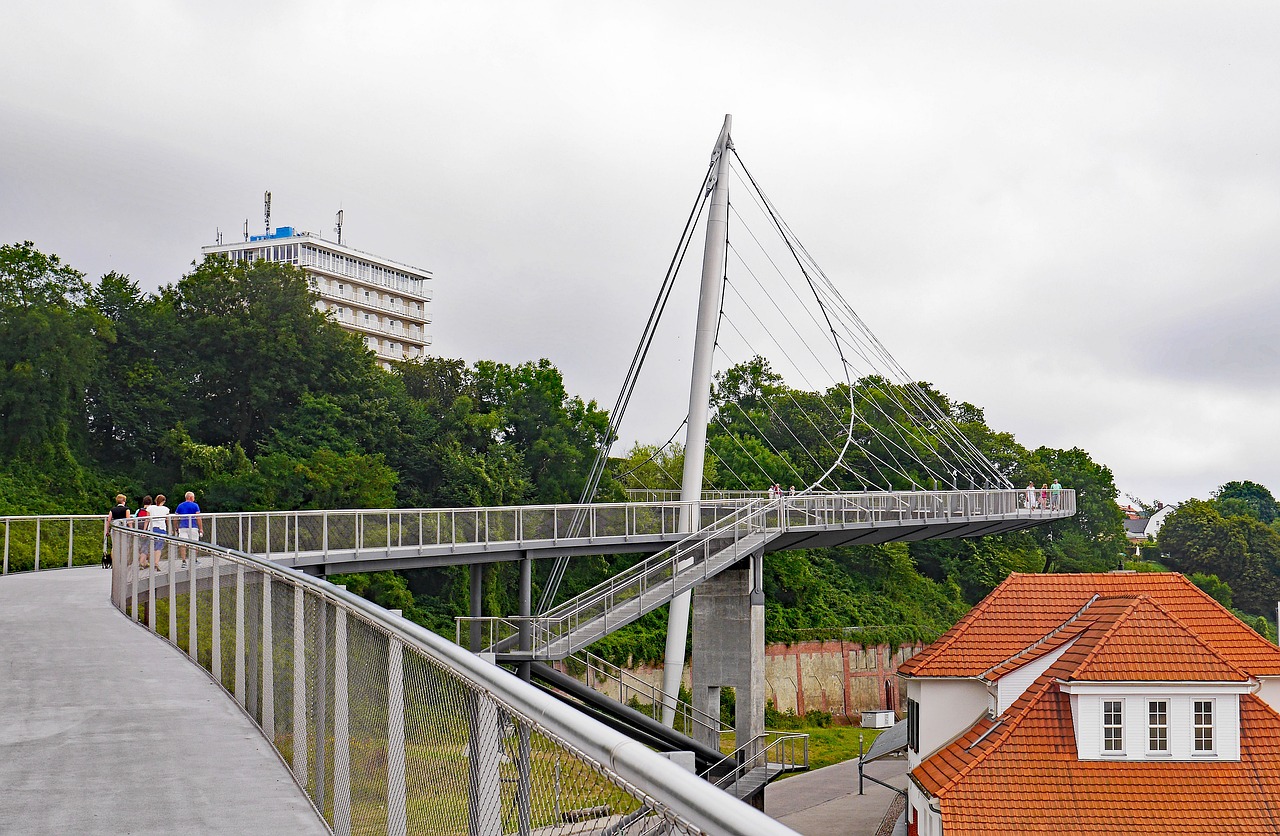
x=356, y=301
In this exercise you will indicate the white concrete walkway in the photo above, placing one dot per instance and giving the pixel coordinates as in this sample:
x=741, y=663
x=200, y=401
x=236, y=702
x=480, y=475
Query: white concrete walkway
x=106, y=729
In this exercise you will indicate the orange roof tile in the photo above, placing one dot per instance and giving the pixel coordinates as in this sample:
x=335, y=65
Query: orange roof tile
x=1027, y=608
x=1137, y=640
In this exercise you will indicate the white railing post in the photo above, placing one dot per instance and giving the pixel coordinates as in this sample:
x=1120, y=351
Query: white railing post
x=397, y=823
x=193, y=644
x=5, y=570
x=341, y=733
x=173, y=594
x=240, y=634
x=299, y=686
x=215, y=584
x=268, y=664
x=153, y=559
x=133, y=573
x=37, y=566
x=71, y=540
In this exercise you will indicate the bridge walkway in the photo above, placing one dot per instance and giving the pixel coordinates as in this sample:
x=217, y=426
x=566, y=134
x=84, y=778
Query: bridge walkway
x=105, y=729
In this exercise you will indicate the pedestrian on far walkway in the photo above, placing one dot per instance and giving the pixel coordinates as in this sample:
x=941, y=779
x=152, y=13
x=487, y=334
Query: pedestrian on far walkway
x=144, y=547
x=190, y=526
x=1055, y=495
x=119, y=512
x=1031, y=495
x=158, y=520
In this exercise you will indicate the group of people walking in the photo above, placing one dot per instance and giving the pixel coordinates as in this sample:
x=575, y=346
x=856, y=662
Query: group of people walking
x=1048, y=498
x=154, y=515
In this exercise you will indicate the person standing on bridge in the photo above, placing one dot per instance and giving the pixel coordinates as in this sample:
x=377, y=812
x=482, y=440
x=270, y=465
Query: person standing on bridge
x=1055, y=495
x=1031, y=495
x=1044, y=495
x=119, y=512
x=190, y=526
x=158, y=520
x=144, y=548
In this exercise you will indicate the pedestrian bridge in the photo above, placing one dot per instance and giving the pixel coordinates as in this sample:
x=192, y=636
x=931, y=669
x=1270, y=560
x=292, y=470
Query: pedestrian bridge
x=339, y=541
x=377, y=725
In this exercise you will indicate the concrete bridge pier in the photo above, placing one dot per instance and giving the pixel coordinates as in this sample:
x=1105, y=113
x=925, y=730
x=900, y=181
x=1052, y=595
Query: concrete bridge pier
x=728, y=649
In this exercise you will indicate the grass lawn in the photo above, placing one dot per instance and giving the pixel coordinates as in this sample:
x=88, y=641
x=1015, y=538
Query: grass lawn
x=835, y=744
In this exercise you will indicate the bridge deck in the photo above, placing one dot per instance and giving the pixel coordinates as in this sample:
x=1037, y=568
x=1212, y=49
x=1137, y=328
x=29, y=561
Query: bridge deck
x=104, y=729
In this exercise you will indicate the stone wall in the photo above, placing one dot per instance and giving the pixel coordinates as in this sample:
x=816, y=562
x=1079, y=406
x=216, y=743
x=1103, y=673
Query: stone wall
x=838, y=677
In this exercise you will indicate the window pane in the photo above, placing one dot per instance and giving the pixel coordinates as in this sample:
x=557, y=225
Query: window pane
x=1112, y=726
x=1202, y=711
x=1158, y=726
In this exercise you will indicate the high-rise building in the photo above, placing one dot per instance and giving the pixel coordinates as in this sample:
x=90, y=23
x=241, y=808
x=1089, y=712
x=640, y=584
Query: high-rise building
x=383, y=301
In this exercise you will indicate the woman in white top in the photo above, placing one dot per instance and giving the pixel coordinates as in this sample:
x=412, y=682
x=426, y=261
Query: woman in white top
x=158, y=519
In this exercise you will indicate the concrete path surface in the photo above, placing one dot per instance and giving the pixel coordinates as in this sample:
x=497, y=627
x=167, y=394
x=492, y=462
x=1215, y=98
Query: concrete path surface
x=106, y=729
x=826, y=801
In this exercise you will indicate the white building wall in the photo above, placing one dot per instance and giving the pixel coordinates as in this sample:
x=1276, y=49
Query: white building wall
x=947, y=708
x=1015, y=683
x=1269, y=691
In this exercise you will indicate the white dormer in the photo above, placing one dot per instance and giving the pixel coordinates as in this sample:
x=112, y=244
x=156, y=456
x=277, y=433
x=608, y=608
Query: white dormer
x=1152, y=721
x=1006, y=690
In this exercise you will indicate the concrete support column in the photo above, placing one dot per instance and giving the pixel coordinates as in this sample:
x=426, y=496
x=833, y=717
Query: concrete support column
x=477, y=606
x=728, y=649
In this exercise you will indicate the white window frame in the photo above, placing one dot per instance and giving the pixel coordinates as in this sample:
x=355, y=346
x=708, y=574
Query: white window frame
x=1212, y=726
x=1152, y=727
x=1104, y=726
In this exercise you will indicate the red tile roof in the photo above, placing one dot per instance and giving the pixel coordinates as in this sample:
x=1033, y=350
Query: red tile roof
x=1026, y=608
x=1137, y=640
x=1025, y=778
x=1020, y=773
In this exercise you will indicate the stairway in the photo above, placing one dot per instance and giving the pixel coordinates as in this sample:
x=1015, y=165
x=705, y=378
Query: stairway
x=582, y=620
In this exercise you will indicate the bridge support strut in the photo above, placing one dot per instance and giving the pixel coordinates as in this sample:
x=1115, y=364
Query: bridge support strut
x=728, y=650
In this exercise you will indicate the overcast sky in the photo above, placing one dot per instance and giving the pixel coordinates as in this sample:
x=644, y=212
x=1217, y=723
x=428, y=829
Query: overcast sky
x=1066, y=214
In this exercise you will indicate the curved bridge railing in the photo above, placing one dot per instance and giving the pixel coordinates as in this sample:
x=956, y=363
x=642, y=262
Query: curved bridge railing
x=390, y=728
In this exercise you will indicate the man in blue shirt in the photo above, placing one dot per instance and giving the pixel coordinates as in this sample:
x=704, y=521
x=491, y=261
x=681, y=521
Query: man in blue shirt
x=190, y=526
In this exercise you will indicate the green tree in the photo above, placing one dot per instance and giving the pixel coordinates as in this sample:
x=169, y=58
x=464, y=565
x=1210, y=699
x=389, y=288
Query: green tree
x=252, y=344
x=1236, y=498
x=47, y=354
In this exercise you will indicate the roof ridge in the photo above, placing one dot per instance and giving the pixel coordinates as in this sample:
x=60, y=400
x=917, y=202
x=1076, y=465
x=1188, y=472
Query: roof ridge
x=1122, y=618
x=1134, y=601
x=1043, y=639
x=1194, y=635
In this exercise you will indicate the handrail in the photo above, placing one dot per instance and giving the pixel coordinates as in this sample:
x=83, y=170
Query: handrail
x=647, y=576
x=628, y=682
x=265, y=600
x=784, y=744
x=371, y=534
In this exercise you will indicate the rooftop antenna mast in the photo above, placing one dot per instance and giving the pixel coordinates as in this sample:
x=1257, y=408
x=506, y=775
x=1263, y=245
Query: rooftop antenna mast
x=219, y=235
x=339, y=226
x=266, y=210
x=246, y=229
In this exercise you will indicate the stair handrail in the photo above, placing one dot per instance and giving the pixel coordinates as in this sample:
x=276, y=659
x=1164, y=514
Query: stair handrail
x=657, y=695
x=694, y=540
x=673, y=559
x=784, y=744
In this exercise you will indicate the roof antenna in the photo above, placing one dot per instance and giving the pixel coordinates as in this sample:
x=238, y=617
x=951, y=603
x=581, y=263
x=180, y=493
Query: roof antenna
x=339, y=226
x=219, y=236
x=246, y=229
x=266, y=211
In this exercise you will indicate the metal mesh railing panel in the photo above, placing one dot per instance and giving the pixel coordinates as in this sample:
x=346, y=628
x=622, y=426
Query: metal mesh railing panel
x=383, y=734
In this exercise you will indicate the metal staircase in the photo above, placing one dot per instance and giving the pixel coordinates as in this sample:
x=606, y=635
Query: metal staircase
x=627, y=596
